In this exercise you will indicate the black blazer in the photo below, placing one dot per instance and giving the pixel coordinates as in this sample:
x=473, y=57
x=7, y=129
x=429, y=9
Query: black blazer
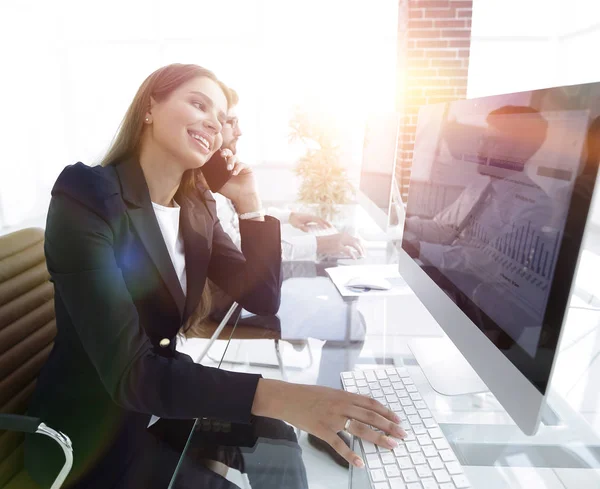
x=116, y=297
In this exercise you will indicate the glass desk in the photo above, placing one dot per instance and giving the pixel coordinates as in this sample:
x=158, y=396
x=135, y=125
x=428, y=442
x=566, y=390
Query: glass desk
x=317, y=335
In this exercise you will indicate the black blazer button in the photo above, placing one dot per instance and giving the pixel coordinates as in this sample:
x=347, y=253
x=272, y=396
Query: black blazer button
x=165, y=342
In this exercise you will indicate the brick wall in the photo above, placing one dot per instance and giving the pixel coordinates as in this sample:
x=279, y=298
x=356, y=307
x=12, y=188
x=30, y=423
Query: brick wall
x=433, y=60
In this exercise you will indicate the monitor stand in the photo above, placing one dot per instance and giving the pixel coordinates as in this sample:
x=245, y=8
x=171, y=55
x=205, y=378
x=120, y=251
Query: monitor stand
x=445, y=367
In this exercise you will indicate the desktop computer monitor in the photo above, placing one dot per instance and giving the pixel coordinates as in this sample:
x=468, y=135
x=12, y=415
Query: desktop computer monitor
x=378, y=166
x=497, y=206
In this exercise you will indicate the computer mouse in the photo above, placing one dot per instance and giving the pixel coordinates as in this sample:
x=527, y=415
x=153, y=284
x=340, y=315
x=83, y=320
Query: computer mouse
x=369, y=283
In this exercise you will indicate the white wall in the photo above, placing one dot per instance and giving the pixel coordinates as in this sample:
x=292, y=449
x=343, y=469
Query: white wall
x=528, y=44
x=71, y=67
x=521, y=45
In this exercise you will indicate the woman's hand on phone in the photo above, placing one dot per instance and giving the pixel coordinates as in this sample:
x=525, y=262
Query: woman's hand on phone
x=323, y=412
x=241, y=188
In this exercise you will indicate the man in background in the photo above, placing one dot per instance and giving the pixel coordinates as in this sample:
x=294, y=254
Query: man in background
x=307, y=247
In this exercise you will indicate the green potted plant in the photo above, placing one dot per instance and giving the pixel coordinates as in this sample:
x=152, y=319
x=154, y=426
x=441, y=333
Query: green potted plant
x=324, y=182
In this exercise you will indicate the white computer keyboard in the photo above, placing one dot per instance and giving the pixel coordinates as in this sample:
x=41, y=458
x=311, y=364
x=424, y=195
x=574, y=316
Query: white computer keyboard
x=424, y=459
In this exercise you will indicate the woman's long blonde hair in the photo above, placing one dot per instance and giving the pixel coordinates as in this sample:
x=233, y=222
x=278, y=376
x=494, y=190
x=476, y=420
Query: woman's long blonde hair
x=126, y=144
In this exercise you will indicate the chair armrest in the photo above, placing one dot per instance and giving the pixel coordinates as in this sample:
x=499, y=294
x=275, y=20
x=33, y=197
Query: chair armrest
x=27, y=424
x=16, y=422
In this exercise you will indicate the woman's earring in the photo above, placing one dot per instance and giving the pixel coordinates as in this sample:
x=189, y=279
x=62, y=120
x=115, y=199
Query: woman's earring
x=147, y=119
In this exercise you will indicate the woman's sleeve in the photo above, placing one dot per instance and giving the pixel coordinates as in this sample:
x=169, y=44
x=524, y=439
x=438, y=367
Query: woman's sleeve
x=80, y=254
x=252, y=277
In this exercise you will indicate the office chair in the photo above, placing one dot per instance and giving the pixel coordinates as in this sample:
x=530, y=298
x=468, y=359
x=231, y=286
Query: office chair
x=27, y=331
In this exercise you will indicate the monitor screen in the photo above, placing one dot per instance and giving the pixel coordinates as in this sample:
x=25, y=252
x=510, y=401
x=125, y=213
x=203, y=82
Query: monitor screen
x=499, y=195
x=378, y=162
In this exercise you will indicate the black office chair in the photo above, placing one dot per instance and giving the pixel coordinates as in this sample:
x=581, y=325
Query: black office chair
x=27, y=331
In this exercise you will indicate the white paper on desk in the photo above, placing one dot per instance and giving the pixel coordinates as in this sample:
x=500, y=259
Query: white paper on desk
x=340, y=276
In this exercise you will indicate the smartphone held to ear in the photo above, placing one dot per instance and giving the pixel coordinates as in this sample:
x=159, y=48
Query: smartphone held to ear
x=215, y=172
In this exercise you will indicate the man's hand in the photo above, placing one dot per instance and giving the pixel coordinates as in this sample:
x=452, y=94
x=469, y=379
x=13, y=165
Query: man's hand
x=340, y=245
x=304, y=221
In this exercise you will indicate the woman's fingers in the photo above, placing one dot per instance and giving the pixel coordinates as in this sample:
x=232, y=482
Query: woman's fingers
x=366, y=433
x=376, y=420
x=370, y=404
x=344, y=450
x=237, y=167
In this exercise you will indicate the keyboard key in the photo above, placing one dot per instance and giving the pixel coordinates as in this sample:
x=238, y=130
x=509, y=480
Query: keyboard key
x=354, y=390
x=370, y=376
x=430, y=451
x=435, y=433
x=388, y=390
x=429, y=423
x=410, y=436
x=377, y=394
x=394, y=378
x=460, y=481
x=441, y=444
x=378, y=475
x=364, y=391
x=368, y=447
x=373, y=385
x=390, y=371
x=410, y=476
x=397, y=483
x=385, y=383
x=404, y=463
x=388, y=458
x=381, y=485
x=383, y=450
x=430, y=484
x=395, y=407
x=410, y=410
x=359, y=375
x=347, y=375
x=373, y=461
x=413, y=446
x=454, y=468
x=381, y=374
x=391, y=398
x=408, y=381
x=349, y=382
x=402, y=372
x=441, y=476
x=424, y=440
x=418, y=458
x=419, y=429
x=392, y=470
x=447, y=455
x=400, y=451
x=411, y=388
x=361, y=383
x=397, y=386
x=406, y=401
x=416, y=397
x=414, y=419
x=447, y=485
x=424, y=471
x=414, y=485
x=435, y=463
x=425, y=413
x=402, y=393
x=418, y=404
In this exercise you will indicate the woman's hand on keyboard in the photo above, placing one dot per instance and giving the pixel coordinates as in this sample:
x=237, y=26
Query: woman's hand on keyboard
x=323, y=412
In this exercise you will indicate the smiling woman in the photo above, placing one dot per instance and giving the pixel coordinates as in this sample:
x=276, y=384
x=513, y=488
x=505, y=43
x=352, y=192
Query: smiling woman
x=129, y=245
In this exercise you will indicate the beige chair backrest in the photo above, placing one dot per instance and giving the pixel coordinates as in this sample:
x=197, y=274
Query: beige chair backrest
x=27, y=331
